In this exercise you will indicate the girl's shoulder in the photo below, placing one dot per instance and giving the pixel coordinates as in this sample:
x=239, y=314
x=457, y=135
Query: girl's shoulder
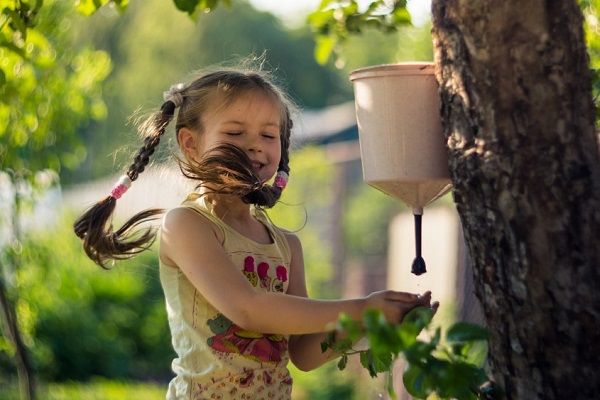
x=185, y=219
x=293, y=241
x=181, y=226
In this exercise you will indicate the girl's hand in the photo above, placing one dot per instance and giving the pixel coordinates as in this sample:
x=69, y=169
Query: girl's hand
x=395, y=305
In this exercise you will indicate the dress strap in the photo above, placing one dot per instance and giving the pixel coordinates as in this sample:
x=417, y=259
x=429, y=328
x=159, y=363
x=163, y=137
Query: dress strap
x=198, y=203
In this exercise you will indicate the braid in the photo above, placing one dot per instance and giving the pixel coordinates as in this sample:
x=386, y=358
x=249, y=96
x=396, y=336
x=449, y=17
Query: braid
x=142, y=158
x=151, y=141
x=285, y=143
x=93, y=227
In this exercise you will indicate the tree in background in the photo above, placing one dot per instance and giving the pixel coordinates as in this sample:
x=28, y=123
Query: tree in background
x=48, y=88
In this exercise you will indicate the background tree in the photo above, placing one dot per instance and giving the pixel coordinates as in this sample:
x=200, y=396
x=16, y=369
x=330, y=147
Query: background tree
x=45, y=92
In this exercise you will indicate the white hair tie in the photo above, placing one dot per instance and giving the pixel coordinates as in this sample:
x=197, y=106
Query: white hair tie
x=174, y=94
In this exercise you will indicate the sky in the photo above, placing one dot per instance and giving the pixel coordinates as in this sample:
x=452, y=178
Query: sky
x=293, y=12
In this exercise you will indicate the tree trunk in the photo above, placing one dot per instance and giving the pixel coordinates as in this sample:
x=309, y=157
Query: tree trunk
x=518, y=114
x=26, y=385
x=8, y=312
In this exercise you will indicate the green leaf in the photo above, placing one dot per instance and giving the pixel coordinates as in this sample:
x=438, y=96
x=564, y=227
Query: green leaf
x=463, y=380
x=401, y=16
x=373, y=6
x=188, y=6
x=121, y=4
x=464, y=331
x=460, y=348
x=350, y=326
x=420, y=316
x=319, y=19
x=15, y=49
x=419, y=351
x=384, y=338
x=324, y=48
x=342, y=363
x=407, y=332
x=350, y=9
x=436, y=338
x=341, y=345
x=210, y=5
x=376, y=363
x=88, y=7
x=373, y=319
x=17, y=22
x=413, y=379
x=325, y=3
x=324, y=347
x=477, y=354
x=2, y=78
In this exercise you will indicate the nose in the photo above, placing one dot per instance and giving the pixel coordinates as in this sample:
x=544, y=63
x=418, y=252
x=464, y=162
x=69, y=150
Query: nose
x=254, y=144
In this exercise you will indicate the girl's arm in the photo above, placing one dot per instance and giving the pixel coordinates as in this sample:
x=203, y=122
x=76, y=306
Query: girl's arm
x=305, y=350
x=190, y=242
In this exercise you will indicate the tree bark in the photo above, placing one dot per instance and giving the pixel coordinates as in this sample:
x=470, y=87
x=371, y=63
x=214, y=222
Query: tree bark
x=518, y=115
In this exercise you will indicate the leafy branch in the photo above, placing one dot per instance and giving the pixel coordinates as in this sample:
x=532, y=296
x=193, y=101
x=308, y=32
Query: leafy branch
x=451, y=369
x=335, y=20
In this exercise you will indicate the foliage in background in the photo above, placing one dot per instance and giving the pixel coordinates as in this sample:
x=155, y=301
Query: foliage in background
x=450, y=368
x=591, y=11
x=50, y=88
x=334, y=21
x=305, y=201
x=79, y=321
x=326, y=383
x=97, y=389
x=366, y=233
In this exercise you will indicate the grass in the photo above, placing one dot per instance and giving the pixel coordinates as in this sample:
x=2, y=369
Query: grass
x=99, y=389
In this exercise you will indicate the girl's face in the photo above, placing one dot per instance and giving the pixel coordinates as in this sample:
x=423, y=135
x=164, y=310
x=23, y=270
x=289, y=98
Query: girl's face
x=251, y=122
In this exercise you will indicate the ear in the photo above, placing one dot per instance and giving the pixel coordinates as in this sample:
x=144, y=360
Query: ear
x=188, y=142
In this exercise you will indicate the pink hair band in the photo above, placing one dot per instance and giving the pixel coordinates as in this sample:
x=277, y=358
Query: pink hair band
x=281, y=180
x=121, y=187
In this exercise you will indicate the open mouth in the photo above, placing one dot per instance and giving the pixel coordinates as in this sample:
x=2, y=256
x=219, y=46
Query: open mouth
x=257, y=166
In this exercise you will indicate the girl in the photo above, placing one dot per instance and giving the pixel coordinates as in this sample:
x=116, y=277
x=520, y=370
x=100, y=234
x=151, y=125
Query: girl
x=234, y=282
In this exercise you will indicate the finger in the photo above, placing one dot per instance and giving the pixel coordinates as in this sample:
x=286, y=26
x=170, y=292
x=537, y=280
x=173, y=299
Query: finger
x=434, y=307
x=424, y=299
x=402, y=296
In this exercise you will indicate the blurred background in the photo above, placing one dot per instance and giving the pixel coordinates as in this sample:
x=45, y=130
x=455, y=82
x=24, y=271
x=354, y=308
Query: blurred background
x=95, y=334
